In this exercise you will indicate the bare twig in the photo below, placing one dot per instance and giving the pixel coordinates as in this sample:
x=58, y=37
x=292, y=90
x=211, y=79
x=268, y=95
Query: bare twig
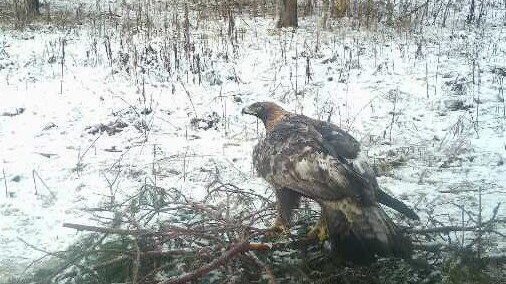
x=268, y=271
x=107, y=230
x=5, y=183
x=448, y=229
x=235, y=250
x=168, y=230
x=35, y=173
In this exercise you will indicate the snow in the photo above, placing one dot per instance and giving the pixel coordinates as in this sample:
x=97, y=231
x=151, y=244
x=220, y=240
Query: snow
x=390, y=89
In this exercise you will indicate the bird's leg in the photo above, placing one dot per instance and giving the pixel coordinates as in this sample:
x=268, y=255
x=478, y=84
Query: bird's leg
x=286, y=200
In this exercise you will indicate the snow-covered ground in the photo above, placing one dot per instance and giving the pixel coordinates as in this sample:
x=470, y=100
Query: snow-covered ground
x=428, y=107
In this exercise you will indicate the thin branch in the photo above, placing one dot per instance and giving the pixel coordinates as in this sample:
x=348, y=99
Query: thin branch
x=116, y=231
x=35, y=173
x=268, y=271
x=448, y=229
x=224, y=258
x=168, y=230
x=5, y=183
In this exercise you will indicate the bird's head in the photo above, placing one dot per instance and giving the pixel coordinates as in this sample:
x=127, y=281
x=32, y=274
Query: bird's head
x=268, y=112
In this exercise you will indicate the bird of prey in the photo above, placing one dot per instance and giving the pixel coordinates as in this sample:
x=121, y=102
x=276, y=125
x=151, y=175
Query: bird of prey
x=301, y=156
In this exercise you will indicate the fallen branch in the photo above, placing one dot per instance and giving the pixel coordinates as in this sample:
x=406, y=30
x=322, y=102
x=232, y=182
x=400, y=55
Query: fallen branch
x=235, y=250
x=116, y=231
x=448, y=229
x=168, y=230
x=444, y=229
x=268, y=271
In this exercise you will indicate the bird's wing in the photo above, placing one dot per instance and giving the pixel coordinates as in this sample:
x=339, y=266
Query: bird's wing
x=295, y=155
x=361, y=166
x=341, y=141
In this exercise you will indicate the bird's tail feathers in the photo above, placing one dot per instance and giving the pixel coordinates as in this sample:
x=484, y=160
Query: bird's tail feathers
x=399, y=206
x=361, y=233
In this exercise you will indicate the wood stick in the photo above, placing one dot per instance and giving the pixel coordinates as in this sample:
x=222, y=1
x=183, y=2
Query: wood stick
x=267, y=270
x=447, y=229
x=116, y=231
x=166, y=231
x=5, y=182
x=224, y=258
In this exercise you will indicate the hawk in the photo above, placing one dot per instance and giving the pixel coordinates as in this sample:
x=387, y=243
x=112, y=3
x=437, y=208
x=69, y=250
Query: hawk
x=301, y=156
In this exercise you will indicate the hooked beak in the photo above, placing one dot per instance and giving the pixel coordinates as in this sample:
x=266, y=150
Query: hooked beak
x=247, y=110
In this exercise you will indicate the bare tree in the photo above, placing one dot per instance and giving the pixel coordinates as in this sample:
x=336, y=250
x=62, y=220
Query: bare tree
x=287, y=13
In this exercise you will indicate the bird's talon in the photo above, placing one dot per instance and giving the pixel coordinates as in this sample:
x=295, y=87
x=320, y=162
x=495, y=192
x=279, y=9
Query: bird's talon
x=319, y=231
x=277, y=230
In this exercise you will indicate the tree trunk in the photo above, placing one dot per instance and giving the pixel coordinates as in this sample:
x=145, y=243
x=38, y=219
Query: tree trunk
x=340, y=8
x=32, y=7
x=27, y=8
x=287, y=13
x=470, y=16
x=325, y=13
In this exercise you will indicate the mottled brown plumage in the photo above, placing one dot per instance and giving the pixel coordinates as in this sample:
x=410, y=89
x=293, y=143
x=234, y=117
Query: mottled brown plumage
x=301, y=156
